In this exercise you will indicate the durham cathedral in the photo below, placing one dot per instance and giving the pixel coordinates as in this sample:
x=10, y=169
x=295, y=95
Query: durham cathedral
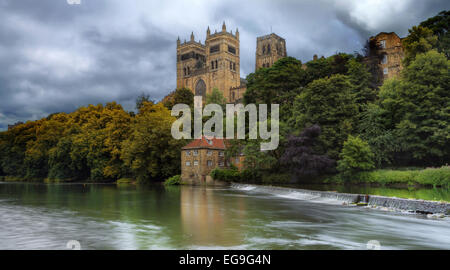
x=216, y=63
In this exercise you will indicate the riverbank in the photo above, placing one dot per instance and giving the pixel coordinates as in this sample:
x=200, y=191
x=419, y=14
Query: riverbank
x=435, y=177
x=374, y=201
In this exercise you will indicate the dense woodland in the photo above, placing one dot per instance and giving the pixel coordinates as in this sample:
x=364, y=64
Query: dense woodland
x=335, y=117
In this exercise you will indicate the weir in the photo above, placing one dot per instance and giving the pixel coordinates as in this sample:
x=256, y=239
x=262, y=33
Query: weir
x=412, y=205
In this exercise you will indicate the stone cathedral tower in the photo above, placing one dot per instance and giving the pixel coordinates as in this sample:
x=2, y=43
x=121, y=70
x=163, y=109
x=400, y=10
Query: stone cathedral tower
x=215, y=64
x=269, y=49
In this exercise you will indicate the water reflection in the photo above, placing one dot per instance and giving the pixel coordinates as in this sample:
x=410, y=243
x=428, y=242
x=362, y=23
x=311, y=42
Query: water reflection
x=206, y=221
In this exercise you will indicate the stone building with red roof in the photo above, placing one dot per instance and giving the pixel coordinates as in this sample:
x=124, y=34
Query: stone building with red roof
x=201, y=156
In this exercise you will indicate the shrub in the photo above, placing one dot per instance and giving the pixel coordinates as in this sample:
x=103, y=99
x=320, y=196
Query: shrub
x=276, y=178
x=124, y=181
x=173, y=181
x=356, y=155
x=228, y=175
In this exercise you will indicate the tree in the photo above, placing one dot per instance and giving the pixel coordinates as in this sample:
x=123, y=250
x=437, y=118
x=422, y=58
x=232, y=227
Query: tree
x=301, y=157
x=278, y=84
x=360, y=77
x=216, y=97
x=440, y=24
x=355, y=156
x=329, y=103
x=150, y=151
x=141, y=99
x=179, y=96
x=419, y=40
x=376, y=128
x=424, y=99
x=256, y=161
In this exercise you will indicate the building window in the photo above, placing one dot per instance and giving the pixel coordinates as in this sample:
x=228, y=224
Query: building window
x=210, y=163
x=209, y=153
x=188, y=163
x=221, y=164
x=195, y=152
x=383, y=44
x=237, y=160
x=188, y=153
x=234, y=66
x=384, y=59
x=214, y=49
x=195, y=162
x=221, y=154
x=231, y=49
x=385, y=71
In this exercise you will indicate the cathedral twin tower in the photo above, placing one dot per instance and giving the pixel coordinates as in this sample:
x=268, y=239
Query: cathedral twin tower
x=216, y=64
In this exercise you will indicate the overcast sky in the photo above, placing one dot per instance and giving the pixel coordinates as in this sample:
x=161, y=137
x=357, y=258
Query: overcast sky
x=56, y=57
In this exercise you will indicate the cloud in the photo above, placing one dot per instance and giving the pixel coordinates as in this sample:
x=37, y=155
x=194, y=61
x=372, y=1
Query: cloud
x=56, y=57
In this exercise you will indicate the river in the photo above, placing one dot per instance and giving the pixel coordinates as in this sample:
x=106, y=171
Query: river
x=97, y=216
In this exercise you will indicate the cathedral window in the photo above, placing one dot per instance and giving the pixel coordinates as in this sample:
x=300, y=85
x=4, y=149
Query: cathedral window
x=210, y=163
x=385, y=71
x=231, y=49
x=214, y=49
x=383, y=44
x=234, y=66
x=195, y=162
x=217, y=65
x=188, y=163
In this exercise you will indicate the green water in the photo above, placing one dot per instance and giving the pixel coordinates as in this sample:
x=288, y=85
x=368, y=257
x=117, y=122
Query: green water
x=40, y=216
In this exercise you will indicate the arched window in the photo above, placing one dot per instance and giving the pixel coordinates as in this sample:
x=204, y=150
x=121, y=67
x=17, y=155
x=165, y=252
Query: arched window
x=268, y=49
x=200, y=88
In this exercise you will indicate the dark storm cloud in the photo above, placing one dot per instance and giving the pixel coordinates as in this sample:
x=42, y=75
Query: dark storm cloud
x=56, y=57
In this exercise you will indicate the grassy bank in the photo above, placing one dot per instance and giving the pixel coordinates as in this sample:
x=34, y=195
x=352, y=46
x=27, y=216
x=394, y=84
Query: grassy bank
x=401, y=177
x=436, y=177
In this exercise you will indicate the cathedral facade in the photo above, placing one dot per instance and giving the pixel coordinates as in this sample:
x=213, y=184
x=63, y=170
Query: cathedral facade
x=216, y=63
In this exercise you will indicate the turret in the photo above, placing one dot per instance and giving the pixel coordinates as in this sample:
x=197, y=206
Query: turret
x=192, y=36
x=237, y=33
x=208, y=32
x=178, y=42
x=224, y=27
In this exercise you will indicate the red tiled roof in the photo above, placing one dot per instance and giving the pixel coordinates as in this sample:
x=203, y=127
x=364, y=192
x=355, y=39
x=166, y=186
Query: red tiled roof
x=203, y=143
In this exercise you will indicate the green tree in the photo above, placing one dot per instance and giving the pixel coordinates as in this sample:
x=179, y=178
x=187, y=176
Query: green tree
x=360, y=77
x=424, y=99
x=216, y=97
x=179, y=96
x=419, y=40
x=440, y=24
x=150, y=151
x=330, y=103
x=355, y=156
x=278, y=84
